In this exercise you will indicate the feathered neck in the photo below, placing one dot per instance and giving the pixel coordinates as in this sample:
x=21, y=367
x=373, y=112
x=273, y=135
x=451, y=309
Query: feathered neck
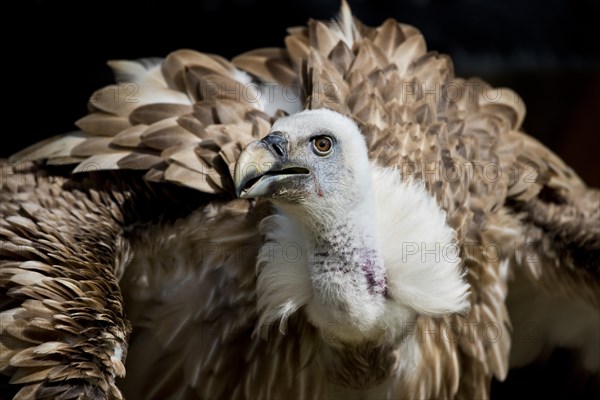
x=349, y=244
x=365, y=273
x=345, y=266
x=346, y=221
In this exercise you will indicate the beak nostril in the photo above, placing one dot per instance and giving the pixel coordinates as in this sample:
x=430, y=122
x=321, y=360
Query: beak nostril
x=277, y=144
x=277, y=148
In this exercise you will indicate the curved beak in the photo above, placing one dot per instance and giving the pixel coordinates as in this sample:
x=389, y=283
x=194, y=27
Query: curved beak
x=262, y=165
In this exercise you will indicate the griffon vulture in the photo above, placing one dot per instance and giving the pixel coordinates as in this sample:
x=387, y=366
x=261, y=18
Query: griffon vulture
x=339, y=218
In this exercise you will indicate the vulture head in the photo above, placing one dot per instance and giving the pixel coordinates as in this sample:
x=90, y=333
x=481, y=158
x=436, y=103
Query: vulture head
x=312, y=163
x=347, y=239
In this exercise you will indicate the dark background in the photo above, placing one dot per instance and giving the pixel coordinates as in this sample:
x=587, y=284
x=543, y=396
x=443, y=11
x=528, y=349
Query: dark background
x=55, y=55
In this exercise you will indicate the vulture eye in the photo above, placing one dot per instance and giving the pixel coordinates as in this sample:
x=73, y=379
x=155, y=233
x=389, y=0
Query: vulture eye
x=322, y=145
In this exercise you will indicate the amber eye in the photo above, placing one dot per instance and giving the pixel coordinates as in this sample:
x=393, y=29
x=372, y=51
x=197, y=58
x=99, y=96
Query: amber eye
x=322, y=145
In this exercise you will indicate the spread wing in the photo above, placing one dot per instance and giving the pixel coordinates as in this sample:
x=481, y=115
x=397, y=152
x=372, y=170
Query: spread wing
x=74, y=248
x=147, y=185
x=183, y=119
x=523, y=218
x=176, y=126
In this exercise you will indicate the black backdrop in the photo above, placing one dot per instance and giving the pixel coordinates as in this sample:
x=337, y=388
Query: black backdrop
x=54, y=57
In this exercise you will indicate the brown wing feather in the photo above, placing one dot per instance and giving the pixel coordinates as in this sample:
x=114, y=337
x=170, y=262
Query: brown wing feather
x=560, y=224
x=141, y=122
x=62, y=329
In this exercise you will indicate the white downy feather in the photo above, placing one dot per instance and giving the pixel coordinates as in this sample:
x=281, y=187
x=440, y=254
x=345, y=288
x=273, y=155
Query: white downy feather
x=420, y=257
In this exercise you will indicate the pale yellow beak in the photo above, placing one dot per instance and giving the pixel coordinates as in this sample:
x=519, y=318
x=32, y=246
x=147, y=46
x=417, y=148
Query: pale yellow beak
x=263, y=165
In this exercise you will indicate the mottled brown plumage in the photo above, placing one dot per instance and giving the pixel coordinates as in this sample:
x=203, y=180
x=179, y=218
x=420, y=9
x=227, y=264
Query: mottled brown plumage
x=132, y=222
